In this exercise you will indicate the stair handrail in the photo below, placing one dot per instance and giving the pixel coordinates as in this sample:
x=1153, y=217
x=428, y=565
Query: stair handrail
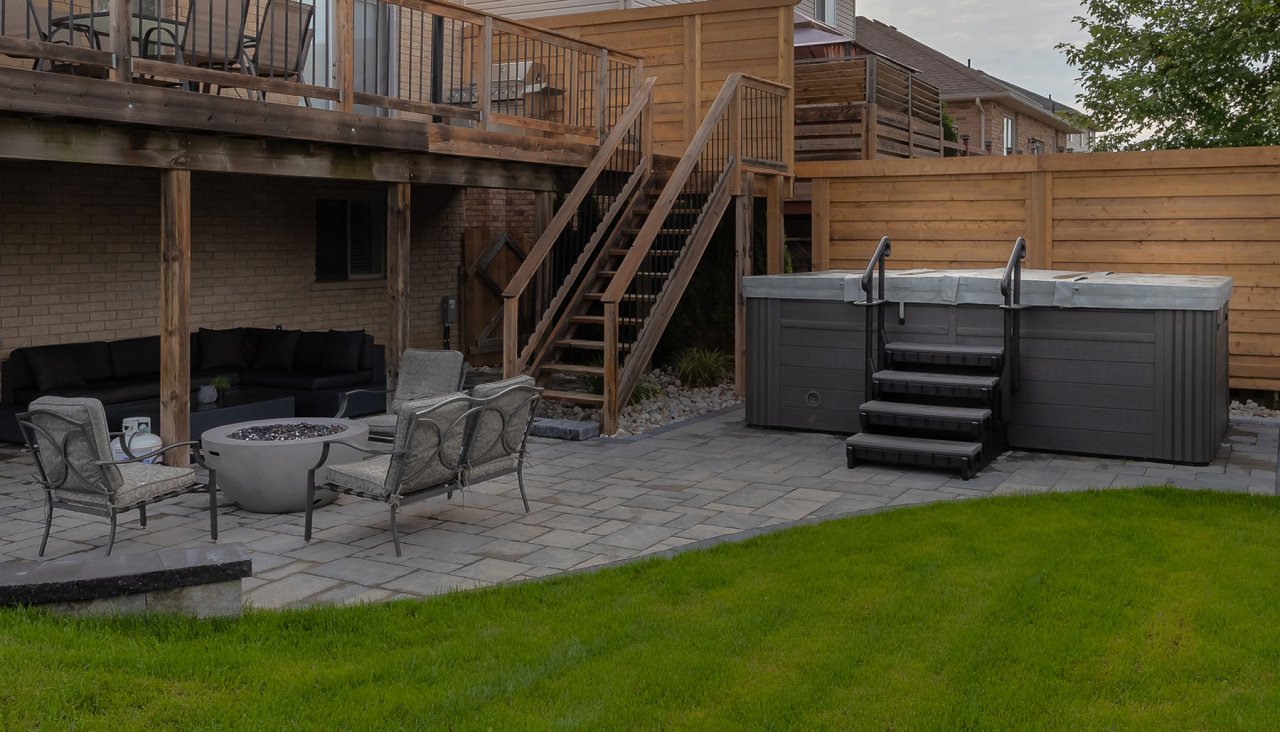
x=514, y=358
x=874, y=344
x=1011, y=280
x=725, y=104
x=1011, y=291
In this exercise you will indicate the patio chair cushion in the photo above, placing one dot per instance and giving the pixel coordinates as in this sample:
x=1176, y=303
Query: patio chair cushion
x=54, y=367
x=504, y=465
x=342, y=351
x=140, y=483
x=426, y=374
x=276, y=350
x=430, y=432
x=221, y=349
x=83, y=456
x=368, y=476
x=381, y=424
x=499, y=426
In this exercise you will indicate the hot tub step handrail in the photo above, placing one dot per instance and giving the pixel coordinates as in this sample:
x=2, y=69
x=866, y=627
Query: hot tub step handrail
x=875, y=349
x=1011, y=291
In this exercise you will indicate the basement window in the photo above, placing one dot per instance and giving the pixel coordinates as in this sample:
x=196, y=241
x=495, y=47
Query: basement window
x=350, y=238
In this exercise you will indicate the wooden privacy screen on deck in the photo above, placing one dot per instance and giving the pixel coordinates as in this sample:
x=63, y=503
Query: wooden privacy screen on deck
x=1208, y=212
x=692, y=48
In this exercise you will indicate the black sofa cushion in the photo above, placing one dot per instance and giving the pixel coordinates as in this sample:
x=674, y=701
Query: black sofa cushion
x=309, y=354
x=342, y=351
x=304, y=381
x=136, y=357
x=108, y=392
x=221, y=349
x=54, y=367
x=276, y=350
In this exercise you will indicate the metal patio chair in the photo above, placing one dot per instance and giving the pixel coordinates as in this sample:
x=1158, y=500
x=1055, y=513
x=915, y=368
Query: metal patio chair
x=27, y=19
x=422, y=374
x=502, y=415
x=71, y=446
x=442, y=444
x=425, y=460
x=279, y=50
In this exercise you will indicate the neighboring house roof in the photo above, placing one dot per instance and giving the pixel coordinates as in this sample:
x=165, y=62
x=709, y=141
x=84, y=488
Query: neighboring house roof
x=955, y=81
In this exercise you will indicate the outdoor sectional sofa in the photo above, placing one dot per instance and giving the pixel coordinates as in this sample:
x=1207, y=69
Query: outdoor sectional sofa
x=315, y=368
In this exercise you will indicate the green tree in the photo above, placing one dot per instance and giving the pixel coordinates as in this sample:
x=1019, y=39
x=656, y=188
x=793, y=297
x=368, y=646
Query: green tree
x=1180, y=73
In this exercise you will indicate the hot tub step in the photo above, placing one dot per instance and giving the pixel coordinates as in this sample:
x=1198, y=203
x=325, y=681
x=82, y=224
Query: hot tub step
x=943, y=354
x=964, y=457
x=952, y=386
x=967, y=421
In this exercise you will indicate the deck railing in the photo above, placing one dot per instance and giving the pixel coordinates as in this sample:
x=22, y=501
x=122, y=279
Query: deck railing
x=416, y=59
x=865, y=107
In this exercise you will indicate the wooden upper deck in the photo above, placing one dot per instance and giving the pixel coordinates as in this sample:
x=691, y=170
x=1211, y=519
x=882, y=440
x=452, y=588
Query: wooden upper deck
x=379, y=77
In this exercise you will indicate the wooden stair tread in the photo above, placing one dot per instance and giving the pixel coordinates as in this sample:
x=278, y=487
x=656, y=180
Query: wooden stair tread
x=573, y=368
x=576, y=397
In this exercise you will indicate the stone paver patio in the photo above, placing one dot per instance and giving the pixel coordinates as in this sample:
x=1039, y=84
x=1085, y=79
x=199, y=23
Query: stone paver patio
x=711, y=479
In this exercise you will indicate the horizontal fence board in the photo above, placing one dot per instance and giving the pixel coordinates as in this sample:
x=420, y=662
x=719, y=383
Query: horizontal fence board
x=1206, y=212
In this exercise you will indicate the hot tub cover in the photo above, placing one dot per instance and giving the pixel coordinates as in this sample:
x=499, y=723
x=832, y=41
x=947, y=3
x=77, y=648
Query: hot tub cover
x=1044, y=288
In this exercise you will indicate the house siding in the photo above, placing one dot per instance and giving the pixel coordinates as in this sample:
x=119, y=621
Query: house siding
x=79, y=256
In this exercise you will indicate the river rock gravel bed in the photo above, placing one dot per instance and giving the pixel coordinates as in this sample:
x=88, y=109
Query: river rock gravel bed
x=677, y=402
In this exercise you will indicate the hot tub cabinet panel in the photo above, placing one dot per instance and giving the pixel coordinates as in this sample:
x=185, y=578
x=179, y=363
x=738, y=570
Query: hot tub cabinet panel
x=805, y=367
x=1128, y=381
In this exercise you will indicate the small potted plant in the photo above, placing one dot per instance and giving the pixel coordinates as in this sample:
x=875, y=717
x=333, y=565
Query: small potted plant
x=222, y=384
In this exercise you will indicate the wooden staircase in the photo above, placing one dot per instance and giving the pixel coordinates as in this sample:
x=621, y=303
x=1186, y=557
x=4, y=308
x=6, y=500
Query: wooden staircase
x=617, y=286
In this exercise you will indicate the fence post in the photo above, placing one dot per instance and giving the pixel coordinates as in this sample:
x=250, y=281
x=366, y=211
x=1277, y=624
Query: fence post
x=1039, y=220
x=820, y=221
x=121, y=40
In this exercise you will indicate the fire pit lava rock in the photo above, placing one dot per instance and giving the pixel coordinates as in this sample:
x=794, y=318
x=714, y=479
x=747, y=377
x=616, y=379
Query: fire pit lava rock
x=263, y=465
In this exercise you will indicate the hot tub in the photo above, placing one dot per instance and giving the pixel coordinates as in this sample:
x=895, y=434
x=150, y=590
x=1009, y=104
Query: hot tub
x=1127, y=365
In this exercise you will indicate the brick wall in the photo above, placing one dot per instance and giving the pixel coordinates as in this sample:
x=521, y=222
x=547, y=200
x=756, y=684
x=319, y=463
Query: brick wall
x=968, y=119
x=79, y=256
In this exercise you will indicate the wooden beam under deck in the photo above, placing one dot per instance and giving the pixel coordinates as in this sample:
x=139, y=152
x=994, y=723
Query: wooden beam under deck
x=55, y=140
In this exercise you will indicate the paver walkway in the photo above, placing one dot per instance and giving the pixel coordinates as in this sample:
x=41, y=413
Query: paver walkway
x=592, y=503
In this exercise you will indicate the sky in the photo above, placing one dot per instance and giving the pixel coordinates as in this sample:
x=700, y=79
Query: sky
x=1011, y=39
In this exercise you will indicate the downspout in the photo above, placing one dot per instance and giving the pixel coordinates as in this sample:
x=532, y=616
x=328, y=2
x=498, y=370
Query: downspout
x=982, y=120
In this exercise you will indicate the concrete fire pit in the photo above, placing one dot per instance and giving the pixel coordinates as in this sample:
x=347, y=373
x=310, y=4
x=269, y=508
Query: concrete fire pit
x=263, y=465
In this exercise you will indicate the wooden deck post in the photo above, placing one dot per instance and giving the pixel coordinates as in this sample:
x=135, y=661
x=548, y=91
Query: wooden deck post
x=773, y=224
x=121, y=40
x=344, y=56
x=610, y=410
x=398, y=209
x=742, y=268
x=175, y=311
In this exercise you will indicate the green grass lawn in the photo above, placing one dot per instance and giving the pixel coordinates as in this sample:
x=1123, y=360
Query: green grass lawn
x=1147, y=609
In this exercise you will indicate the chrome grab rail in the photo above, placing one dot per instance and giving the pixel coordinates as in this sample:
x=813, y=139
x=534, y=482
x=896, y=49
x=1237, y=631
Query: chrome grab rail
x=1011, y=291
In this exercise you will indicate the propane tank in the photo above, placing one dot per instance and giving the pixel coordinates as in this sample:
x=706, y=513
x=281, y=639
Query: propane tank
x=140, y=441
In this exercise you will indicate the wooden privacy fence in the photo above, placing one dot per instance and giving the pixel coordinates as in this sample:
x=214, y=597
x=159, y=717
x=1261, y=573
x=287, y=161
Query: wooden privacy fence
x=1205, y=212
x=842, y=103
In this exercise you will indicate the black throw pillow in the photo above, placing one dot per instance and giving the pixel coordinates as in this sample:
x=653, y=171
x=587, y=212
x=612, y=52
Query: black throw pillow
x=276, y=350
x=342, y=351
x=221, y=349
x=309, y=354
x=53, y=368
